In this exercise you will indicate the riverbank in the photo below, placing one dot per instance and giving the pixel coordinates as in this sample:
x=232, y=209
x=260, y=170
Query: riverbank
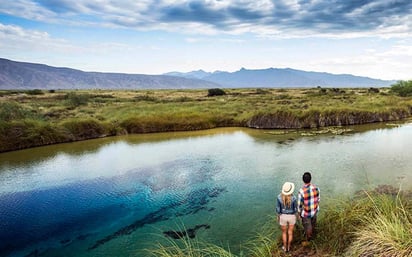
x=371, y=223
x=36, y=118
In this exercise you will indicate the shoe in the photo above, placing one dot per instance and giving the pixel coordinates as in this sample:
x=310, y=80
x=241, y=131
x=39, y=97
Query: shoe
x=284, y=249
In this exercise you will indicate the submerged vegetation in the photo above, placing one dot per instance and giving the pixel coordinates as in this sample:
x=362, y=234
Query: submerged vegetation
x=36, y=117
x=371, y=223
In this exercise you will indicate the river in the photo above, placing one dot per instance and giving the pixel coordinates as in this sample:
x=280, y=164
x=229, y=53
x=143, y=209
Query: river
x=116, y=196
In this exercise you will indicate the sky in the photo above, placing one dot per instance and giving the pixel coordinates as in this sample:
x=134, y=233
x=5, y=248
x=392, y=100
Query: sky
x=371, y=38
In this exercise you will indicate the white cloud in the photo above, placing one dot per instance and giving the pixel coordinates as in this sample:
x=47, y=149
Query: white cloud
x=391, y=64
x=231, y=26
x=27, y=9
x=15, y=37
x=278, y=19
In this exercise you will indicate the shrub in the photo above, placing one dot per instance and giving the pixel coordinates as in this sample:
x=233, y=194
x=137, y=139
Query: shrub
x=13, y=111
x=145, y=97
x=402, y=88
x=373, y=90
x=322, y=90
x=260, y=91
x=35, y=92
x=75, y=100
x=215, y=92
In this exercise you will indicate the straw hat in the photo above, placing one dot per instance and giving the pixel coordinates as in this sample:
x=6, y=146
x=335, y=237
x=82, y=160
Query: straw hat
x=288, y=188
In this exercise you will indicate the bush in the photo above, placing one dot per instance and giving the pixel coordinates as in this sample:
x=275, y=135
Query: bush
x=75, y=100
x=402, y=88
x=260, y=91
x=35, y=92
x=215, y=92
x=13, y=111
x=373, y=90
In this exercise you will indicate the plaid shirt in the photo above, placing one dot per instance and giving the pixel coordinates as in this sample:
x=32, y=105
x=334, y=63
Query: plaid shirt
x=308, y=201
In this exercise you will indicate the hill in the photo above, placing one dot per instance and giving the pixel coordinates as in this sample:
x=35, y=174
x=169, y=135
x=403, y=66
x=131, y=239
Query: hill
x=22, y=75
x=277, y=78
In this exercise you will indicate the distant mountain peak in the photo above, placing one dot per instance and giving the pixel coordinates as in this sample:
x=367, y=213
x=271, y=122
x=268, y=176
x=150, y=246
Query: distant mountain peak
x=288, y=77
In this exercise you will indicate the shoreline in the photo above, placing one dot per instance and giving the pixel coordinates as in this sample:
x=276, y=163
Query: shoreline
x=48, y=118
x=11, y=146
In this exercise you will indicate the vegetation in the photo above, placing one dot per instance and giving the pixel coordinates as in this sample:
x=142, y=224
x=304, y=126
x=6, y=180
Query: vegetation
x=215, y=92
x=371, y=223
x=32, y=118
x=189, y=248
x=402, y=88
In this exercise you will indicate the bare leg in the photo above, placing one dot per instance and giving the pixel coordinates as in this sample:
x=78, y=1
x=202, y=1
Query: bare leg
x=284, y=236
x=290, y=236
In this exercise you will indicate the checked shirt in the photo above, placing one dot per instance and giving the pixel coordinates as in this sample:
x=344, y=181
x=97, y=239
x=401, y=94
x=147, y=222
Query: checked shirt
x=308, y=201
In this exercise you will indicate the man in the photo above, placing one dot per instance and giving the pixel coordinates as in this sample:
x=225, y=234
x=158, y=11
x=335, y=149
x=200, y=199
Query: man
x=308, y=205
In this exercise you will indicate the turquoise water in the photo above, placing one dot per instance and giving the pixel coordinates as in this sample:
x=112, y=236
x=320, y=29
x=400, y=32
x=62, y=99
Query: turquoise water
x=116, y=196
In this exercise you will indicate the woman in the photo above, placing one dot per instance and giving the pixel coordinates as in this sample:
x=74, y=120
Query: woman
x=286, y=208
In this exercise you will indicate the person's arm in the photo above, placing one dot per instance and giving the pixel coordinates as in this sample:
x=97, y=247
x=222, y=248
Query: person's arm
x=295, y=205
x=300, y=203
x=278, y=206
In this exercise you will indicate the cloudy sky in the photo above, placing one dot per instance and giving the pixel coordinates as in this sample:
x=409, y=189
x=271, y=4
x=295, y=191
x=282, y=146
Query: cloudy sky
x=362, y=37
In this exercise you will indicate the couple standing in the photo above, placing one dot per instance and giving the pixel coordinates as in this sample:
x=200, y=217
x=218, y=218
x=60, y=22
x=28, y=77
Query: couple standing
x=306, y=206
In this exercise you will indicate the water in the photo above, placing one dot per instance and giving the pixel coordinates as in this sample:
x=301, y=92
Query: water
x=116, y=196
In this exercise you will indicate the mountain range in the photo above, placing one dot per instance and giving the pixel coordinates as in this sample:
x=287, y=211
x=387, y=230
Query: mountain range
x=23, y=75
x=287, y=77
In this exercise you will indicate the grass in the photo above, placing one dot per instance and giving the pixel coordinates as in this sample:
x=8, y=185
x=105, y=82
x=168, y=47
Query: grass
x=370, y=223
x=385, y=232
x=186, y=247
x=190, y=248
x=142, y=111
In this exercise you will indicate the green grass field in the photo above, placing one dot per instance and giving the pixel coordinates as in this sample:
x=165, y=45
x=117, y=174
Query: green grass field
x=33, y=118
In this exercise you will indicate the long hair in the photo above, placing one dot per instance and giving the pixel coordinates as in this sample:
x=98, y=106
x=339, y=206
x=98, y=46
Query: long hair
x=287, y=200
